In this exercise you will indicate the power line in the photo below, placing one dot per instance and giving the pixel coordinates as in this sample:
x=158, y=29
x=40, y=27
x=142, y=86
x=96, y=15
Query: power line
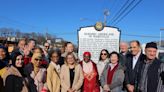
x=123, y=6
x=112, y=8
x=128, y=12
x=124, y=10
x=113, y=5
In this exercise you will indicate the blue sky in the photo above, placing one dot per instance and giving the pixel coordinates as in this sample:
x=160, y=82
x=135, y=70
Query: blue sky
x=62, y=17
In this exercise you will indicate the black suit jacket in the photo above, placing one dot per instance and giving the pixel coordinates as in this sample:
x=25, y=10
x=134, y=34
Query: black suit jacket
x=132, y=76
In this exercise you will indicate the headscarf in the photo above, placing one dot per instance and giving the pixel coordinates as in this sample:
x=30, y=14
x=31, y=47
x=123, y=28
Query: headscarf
x=20, y=69
x=87, y=53
x=4, y=62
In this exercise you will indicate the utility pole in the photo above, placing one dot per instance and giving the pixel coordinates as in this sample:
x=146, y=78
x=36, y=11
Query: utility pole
x=160, y=38
x=106, y=13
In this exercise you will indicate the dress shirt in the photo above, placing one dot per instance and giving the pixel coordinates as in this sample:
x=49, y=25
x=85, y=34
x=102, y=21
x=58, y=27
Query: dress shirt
x=135, y=59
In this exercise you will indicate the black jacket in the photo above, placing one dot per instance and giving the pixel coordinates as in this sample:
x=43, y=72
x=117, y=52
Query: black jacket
x=13, y=84
x=123, y=59
x=132, y=76
x=153, y=75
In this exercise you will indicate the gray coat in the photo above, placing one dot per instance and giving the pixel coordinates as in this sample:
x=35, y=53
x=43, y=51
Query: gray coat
x=117, y=80
x=160, y=87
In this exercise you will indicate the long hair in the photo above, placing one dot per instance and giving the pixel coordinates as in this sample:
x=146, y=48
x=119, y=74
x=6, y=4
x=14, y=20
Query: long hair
x=106, y=53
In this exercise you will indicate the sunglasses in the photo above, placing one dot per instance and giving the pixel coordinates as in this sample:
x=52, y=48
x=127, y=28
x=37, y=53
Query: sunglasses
x=103, y=54
x=46, y=46
x=36, y=59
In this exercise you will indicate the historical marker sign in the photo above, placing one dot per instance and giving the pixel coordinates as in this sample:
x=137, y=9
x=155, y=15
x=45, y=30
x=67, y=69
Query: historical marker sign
x=94, y=41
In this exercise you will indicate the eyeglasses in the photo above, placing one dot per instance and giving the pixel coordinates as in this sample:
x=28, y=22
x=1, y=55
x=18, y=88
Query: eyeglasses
x=38, y=59
x=103, y=54
x=46, y=46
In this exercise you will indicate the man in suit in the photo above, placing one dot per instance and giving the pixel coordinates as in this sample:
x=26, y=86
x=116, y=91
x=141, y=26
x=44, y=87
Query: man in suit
x=133, y=64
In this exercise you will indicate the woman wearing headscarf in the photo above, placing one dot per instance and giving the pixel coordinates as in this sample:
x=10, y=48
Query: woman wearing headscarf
x=4, y=63
x=90, y=73
x=71, y=75
x=14, y=77
x=4, y=58
x=113, y=75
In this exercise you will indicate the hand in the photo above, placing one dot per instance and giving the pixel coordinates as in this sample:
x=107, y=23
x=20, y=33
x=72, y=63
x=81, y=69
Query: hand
x=106, y=88
x=130, y=88
x=44, y=89
x=71, y=90
x=162, y=77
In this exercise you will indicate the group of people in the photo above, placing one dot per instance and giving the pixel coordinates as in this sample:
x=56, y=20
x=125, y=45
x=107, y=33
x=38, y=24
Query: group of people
x=143, y=72
x=30, y=68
